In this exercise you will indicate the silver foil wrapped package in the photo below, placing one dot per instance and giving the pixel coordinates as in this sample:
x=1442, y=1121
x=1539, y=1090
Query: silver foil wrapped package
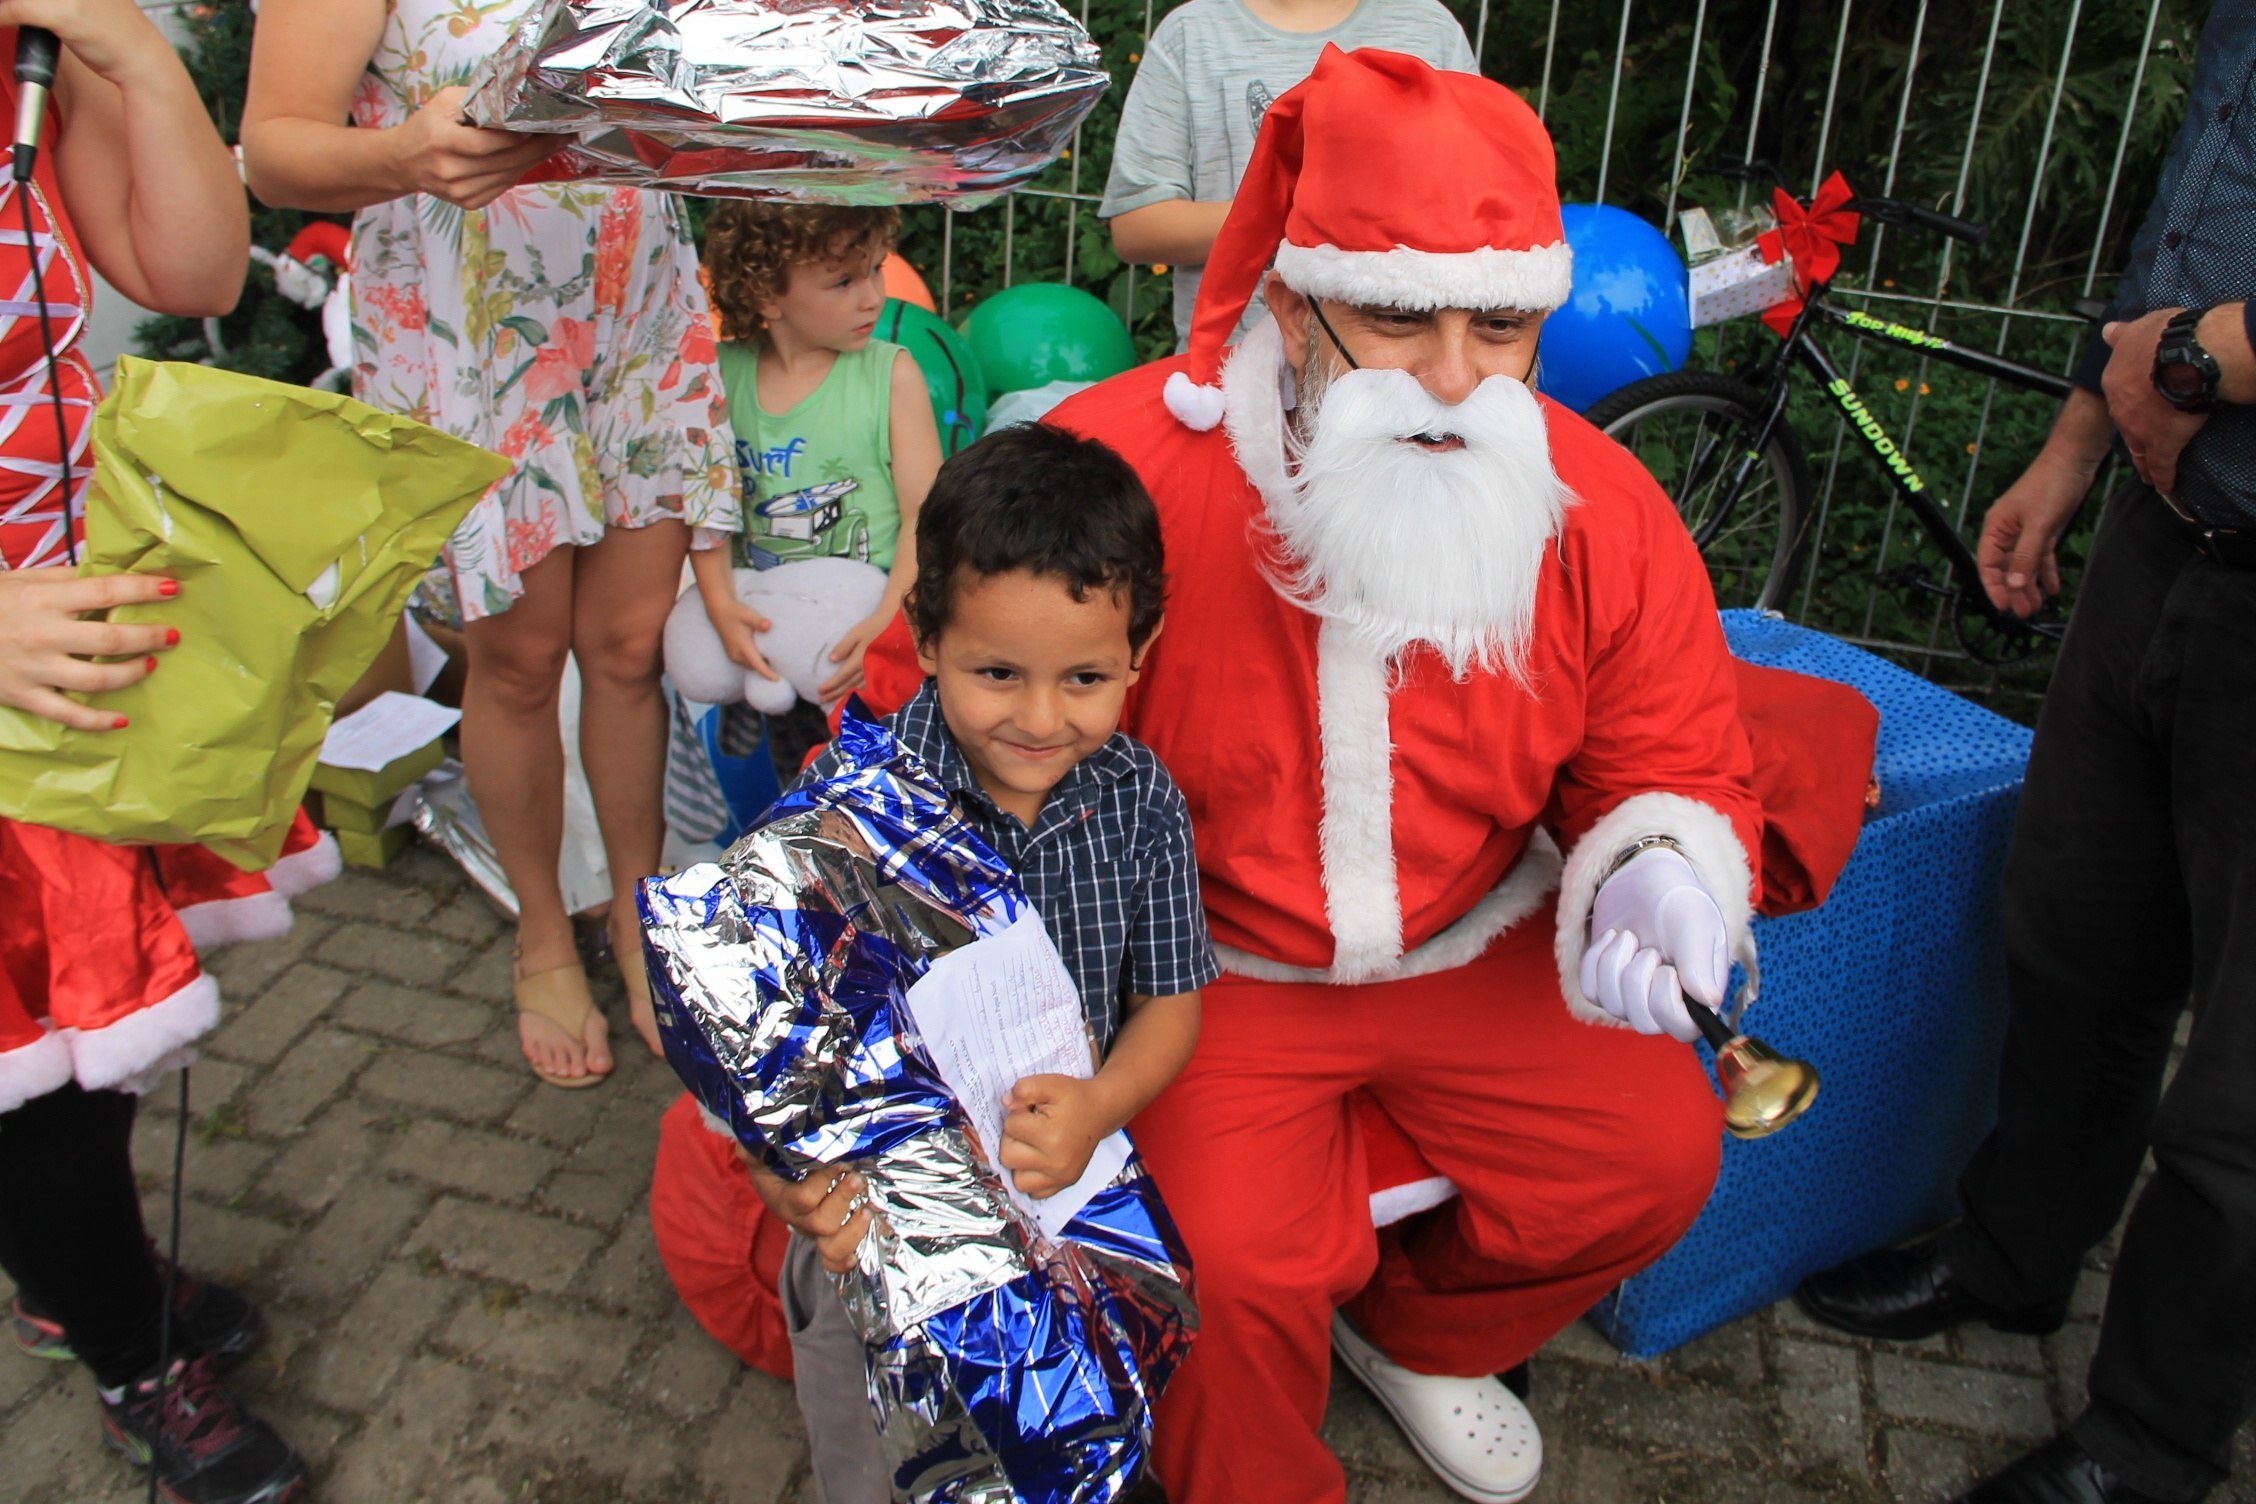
x=1004, y=1364
x=887, y=101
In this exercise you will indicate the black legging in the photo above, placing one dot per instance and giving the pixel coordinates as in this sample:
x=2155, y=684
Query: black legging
x=71, y=1235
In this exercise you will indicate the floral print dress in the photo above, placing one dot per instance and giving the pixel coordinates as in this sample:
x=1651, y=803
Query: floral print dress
x=562, y=325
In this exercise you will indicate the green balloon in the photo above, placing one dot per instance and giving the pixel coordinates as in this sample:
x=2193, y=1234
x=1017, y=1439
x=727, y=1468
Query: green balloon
x=1039, y=332
x=951, y=374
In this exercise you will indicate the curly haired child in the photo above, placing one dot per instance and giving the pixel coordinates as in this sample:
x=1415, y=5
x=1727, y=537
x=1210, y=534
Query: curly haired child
x=834, y=431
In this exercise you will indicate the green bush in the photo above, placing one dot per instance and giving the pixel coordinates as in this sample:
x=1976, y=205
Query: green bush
x=2038, y=257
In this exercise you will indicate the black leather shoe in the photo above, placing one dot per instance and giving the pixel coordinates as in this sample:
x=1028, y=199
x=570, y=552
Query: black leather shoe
x=1903, y=1294
x=2059, y=1472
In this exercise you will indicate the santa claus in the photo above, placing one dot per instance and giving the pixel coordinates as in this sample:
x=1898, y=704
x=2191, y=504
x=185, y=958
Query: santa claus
x=1426, y=632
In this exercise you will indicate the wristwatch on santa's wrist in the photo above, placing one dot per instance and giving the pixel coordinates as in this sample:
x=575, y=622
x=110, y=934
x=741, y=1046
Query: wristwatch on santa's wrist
x=2184, y=373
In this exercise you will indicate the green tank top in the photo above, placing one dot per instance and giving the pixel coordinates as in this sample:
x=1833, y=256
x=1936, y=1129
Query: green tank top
x=818, y=480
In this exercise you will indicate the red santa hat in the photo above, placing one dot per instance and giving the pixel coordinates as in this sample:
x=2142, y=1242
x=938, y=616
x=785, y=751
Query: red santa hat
x=1384, y=182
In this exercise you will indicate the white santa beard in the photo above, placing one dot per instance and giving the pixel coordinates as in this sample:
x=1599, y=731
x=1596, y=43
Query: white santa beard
x=1405, y=545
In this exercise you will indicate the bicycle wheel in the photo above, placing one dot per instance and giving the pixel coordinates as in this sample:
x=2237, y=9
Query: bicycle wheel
x=1690, y=429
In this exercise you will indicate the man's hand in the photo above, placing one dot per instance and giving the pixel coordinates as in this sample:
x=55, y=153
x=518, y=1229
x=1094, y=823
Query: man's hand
x=1656, y=934
x=2154, y=431
x=45, y=646
x=1055, y=1123
x=2019, y=565
x=830, y=1209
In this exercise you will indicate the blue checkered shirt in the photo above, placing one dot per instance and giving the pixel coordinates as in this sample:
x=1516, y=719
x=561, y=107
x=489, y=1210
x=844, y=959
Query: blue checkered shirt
x=2197, y=247
x=1108, y=863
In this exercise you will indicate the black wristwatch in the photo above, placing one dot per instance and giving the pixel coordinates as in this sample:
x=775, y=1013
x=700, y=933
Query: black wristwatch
x=2185, y=374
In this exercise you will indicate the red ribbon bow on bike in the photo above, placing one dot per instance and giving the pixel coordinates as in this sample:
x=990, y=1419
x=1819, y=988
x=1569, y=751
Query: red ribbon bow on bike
x=1813, y=237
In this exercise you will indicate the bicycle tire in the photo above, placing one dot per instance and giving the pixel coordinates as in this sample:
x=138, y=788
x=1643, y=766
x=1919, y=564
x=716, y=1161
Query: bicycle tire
x=1671, y=423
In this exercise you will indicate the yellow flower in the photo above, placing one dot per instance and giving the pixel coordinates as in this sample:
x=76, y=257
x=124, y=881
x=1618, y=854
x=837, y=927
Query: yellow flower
x=1135, y=57
x=1973, y=449
x=1903, y=386
x=1159, y=268
x=1924, y=389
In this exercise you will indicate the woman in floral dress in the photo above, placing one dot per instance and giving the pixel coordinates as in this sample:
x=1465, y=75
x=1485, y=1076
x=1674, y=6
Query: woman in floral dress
x=563, y=326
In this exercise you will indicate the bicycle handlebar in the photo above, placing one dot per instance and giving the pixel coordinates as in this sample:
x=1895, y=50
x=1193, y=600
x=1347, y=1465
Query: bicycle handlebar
x=1890, y=211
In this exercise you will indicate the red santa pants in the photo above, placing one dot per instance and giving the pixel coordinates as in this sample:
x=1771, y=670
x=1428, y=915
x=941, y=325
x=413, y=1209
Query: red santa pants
x=1580, y=1153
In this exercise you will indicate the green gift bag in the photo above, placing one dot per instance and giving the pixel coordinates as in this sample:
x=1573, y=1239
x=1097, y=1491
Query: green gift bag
x=297, y=522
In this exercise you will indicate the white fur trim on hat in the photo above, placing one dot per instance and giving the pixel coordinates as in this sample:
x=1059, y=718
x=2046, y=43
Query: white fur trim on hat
x=1711, y=845
x=1537, y=279
x=1197, y=407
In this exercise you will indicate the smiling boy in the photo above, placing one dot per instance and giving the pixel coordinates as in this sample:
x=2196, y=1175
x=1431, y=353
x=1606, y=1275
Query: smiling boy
x=1040, y=586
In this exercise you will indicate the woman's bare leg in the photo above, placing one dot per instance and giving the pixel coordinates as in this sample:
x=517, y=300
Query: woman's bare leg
x=514, y=754
x=623, y=589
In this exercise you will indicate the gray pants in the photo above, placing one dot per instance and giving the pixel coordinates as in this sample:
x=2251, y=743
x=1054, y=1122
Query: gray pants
x=833, y=1384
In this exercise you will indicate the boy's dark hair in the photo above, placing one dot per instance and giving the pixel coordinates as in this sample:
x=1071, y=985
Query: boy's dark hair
x=751, y=245
x=1038, y=498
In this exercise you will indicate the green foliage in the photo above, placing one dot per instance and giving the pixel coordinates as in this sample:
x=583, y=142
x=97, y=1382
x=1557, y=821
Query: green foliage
x=1969, y=441
x=267, y=334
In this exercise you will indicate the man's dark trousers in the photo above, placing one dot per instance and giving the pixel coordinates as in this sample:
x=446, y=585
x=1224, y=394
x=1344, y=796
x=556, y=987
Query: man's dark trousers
x=2132, y=884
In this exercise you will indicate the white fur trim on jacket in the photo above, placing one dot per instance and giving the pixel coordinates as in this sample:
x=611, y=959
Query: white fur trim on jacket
x=133, y=1046
x=1362, y=900
x=1711, y=845
x=33, y=1070
x=234, y=921
x=1524, y=890
x=1537, y=279
x=302, y=871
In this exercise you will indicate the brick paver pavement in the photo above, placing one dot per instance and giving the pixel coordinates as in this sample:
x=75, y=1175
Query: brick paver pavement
x=466, y=1304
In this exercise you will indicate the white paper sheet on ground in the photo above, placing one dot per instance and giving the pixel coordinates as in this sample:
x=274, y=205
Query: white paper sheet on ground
x=995, y=1012
x=385, y=729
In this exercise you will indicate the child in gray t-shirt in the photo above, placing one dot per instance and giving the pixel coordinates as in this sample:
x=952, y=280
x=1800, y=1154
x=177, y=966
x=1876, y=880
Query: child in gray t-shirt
x=1209, y=72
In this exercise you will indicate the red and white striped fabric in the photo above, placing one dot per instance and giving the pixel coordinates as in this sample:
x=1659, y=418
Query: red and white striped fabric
x=99, y=980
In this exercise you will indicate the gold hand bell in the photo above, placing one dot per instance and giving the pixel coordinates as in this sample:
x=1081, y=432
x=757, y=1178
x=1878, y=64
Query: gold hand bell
x=1763, y=1090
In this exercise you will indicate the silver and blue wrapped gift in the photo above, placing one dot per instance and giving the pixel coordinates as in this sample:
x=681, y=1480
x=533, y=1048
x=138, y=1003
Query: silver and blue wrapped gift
x=844, y=101
x=1004, y=1364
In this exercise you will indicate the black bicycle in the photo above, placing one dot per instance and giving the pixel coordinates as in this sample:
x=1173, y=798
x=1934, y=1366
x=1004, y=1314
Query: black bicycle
x=1739, y=473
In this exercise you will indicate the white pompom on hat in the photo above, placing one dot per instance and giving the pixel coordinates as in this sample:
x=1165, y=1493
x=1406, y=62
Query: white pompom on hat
x=1384, y=182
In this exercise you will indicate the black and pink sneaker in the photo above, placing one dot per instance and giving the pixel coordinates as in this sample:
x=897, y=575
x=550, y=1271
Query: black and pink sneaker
x=207, y=1318
x=203, y=1445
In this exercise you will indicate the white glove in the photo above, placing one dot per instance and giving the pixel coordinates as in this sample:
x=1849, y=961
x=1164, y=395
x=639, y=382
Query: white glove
x=1656, y=935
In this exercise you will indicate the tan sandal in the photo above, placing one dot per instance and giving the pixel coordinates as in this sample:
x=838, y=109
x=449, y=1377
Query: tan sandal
x=561, y=996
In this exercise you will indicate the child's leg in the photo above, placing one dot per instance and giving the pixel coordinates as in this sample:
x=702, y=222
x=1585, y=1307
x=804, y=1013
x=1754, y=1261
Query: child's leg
x=833, y=1384
x=70, y=1227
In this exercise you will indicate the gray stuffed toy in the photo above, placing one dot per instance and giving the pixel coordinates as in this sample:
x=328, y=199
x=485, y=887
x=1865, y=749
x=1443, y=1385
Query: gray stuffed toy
x=809, y=603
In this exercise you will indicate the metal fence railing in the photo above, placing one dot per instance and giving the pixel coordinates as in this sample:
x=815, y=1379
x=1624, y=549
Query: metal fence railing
x=2048, y=120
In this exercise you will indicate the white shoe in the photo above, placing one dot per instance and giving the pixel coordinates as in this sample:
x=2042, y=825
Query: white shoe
x=1474, y=1433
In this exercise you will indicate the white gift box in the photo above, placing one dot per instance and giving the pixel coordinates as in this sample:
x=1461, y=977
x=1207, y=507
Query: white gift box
x=1741, y=283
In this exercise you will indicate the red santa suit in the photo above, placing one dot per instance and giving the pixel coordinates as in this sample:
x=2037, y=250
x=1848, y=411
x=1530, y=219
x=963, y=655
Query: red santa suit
x=99, y=980
x=1380, y=849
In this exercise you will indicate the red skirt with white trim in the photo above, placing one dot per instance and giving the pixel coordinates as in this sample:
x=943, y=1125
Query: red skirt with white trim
x=99, y=980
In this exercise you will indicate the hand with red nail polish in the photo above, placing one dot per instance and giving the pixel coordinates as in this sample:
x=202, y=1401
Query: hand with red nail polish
x=49, y=651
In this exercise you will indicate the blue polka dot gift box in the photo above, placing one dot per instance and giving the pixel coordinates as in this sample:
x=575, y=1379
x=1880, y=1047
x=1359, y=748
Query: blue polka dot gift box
x=1894, y=989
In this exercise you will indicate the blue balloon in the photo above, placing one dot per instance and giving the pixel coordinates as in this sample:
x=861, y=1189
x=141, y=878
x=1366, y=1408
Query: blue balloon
x=1629, y=315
